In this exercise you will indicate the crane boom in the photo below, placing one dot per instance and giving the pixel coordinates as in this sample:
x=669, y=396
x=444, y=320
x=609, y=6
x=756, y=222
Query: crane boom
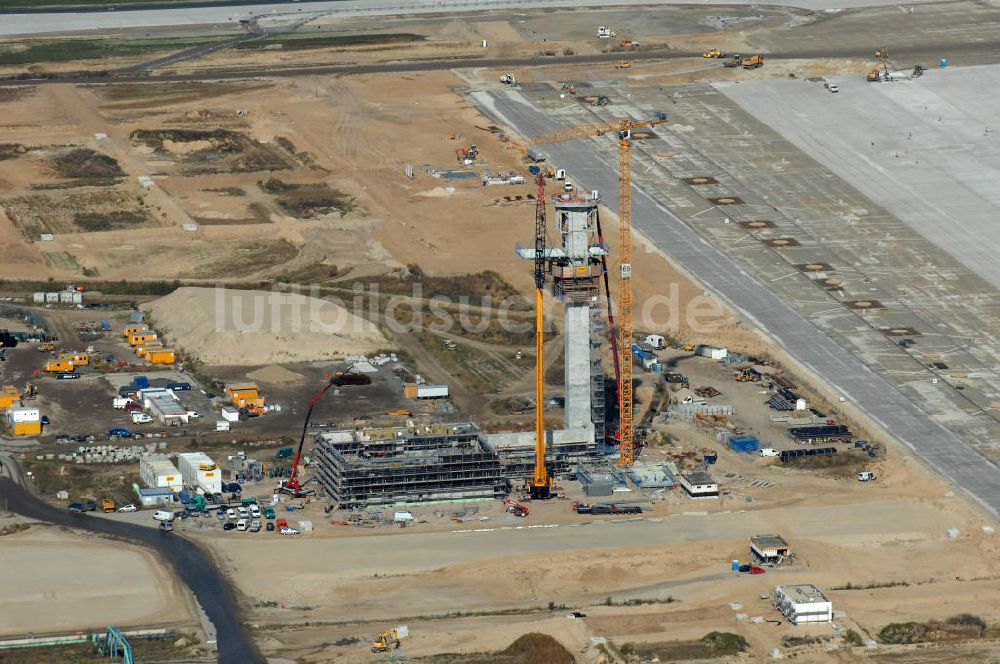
x=541, y=482
x=623, y=129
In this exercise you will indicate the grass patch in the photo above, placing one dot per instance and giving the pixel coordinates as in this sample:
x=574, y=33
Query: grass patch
x=957, y=628
x=108, y=221
x=872, y=586
x=308, y=201
x=713, y=644
x=144, y=650
x=15, y=94
x=30, y=52
x=11, y=151
x=481, y=371
x=255, y=256
x=154, y=95
x=77, y=211
x=87, y=166
x=300, y=43
x=479, y=289
x=216, y=150
x=226, y=191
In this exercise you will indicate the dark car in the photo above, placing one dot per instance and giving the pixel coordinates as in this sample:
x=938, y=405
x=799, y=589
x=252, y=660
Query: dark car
x=166, y=527
x=745, y=567
x=90, y=506
x=132, y=406
x=182, y=514
x=229, y=525
x=179, y=386
x=270, y=526
x=77, y=507
x=45, y=420
x=67, y=375
x=119, y=432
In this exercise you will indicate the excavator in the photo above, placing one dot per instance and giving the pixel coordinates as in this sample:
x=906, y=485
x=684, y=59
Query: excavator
x=390, y=639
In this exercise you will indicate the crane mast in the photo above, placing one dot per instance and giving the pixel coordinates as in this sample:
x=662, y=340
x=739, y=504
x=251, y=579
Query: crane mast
x=541, y=483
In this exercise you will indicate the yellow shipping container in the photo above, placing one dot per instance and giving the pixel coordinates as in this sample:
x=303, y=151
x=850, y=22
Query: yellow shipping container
x=241, y=387
x=8, y=395
x=141, y=338
x=409, y=390
x=134, y=329
x=55, y=366
x=142, y=350
x=27, y=428
x=161, y=356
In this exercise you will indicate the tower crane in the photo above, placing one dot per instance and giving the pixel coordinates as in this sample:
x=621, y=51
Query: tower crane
x=540, y=486
x=622, y=128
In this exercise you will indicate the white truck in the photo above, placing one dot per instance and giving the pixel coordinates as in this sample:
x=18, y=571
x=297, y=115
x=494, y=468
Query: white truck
x=604, y=32
x=141, y=418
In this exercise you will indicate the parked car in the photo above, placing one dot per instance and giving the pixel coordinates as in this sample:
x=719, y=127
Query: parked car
x=45, y=420
x=166, y=527
x=141, y=418
x=231, y=513
x=133, y=407
x=866, y=476
x=229, y=525
x=254, y=512
x=270, y=526
x=119, y=432
x=241, y=525
x=76, y=507
x=255, y=526
x=833, y=88
x=128, y=507
x=243, y=512
x=163, y=515
x=67, y=375
x=193, y=414
x=769, y=452
x=268, y=512
x=754, y=569
x=90, y=506
x=179, y=386
x=289, y=531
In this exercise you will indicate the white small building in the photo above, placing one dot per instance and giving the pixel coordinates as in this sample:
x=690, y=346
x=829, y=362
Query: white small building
x=654, y=340
x=38, y=298
x=432, y=391
x=157, y=471
x=230, y=414
x=199, y=471
x=222, y=425
x=164, y=406
x=156, y=497
x=700, y=484
x=803, y=603
x=711, y=351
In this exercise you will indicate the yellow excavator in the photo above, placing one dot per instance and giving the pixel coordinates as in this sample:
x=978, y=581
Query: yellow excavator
x=390, y=639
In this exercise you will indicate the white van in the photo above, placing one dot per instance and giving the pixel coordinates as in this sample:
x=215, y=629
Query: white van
x=140, y=418
x=769, y=452
x=163, y=515
x=866, y=476
x=241, y=524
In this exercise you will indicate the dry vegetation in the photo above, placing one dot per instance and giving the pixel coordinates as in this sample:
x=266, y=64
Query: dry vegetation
x=533, y=648
x=307, y=201
x=87, y=166
x=83, y=211
x=213, y=150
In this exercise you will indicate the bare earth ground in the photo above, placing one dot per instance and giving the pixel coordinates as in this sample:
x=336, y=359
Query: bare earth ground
x=83, y=583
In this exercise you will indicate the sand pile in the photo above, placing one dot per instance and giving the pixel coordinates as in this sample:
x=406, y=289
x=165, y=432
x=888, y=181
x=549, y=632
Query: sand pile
x=275, y=374
x=221, y=326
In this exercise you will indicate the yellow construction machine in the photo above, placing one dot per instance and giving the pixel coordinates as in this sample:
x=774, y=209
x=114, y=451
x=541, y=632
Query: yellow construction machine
x=623, y=64
x=713, y=53
x=390, y=639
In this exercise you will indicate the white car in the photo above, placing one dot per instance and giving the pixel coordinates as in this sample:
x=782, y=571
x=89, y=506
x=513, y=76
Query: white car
x=193, y=414
x=769, y=452
x=254, y=512
x=243, y=512
x=289, y=531
x=866, y=476
x=833, y=88
x=230, y=513
x=141, y=418
x=128, y=507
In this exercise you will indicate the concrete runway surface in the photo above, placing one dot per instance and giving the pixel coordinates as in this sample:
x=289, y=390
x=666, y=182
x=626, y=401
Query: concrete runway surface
x=52, y=22
x=841, y=370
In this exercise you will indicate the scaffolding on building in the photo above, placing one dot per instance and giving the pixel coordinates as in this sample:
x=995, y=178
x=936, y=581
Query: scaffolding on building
x=408, y=469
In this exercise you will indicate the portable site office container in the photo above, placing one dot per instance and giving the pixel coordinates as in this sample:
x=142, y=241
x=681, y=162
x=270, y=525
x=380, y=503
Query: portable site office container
x=141, y=338
x=161, y=356
x=134, y=329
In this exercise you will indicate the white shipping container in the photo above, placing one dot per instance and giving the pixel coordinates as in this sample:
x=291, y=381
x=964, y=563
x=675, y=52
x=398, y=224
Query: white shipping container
x=77, y=298
x=221, y=425
x=66, y=298
x=198, y=470
x=230, y=414
x=432, y=391
x=38, y=298
x=24, y=415
x=712, y=352
x=52, y=298
x=159, y=472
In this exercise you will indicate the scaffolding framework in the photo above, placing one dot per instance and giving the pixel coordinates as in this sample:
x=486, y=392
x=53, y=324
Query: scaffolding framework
x=408, y=470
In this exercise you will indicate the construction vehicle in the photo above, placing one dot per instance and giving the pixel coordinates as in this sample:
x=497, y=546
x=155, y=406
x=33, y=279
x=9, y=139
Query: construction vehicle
x=508, y=79
x=600, y=100
x=467, y=155
x=390, y=639
x=713, y=53
x=753, y=62
x=881, y=71
x=687, y=347
x=628, y=43
x=46, y=346
x=734, y=61
x=569, y=87
x=292, y=486
x=622, y=346
x=918, y=70
x=748, y=376
x=108, y=505
x=517, y=509
x=30, y=391
x=623, y=64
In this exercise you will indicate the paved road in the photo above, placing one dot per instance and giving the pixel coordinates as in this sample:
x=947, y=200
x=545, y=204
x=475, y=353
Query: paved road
x=192, y=565
x=47, y=21
x=841, y=370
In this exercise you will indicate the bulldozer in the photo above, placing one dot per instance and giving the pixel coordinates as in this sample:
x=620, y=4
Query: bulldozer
x=747, y=376
x=623, y=64
x=390, y=639
x=713, y=53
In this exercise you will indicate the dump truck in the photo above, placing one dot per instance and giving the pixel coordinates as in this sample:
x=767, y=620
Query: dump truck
x=753, y=62
x=57, y=366
x=713, y=53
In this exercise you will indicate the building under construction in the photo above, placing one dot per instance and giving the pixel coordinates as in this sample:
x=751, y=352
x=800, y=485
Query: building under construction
x=398, y=467
x=355, y=471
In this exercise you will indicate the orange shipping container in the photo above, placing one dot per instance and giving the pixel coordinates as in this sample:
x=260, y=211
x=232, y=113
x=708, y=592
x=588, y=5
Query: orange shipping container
x=409, y=390
x=27, y=428
x=141, y=338
x=162, y=356
x=134, y=329
x=55, y=366
x=8, y=395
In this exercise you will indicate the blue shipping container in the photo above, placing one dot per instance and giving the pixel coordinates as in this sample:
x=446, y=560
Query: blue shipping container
x=744, y=444
x=141, y=382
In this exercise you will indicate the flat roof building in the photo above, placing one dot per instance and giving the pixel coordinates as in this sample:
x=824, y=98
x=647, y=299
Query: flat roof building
x=164, y=406
x=699, y=484
x=771, y=549
x=803, y=603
